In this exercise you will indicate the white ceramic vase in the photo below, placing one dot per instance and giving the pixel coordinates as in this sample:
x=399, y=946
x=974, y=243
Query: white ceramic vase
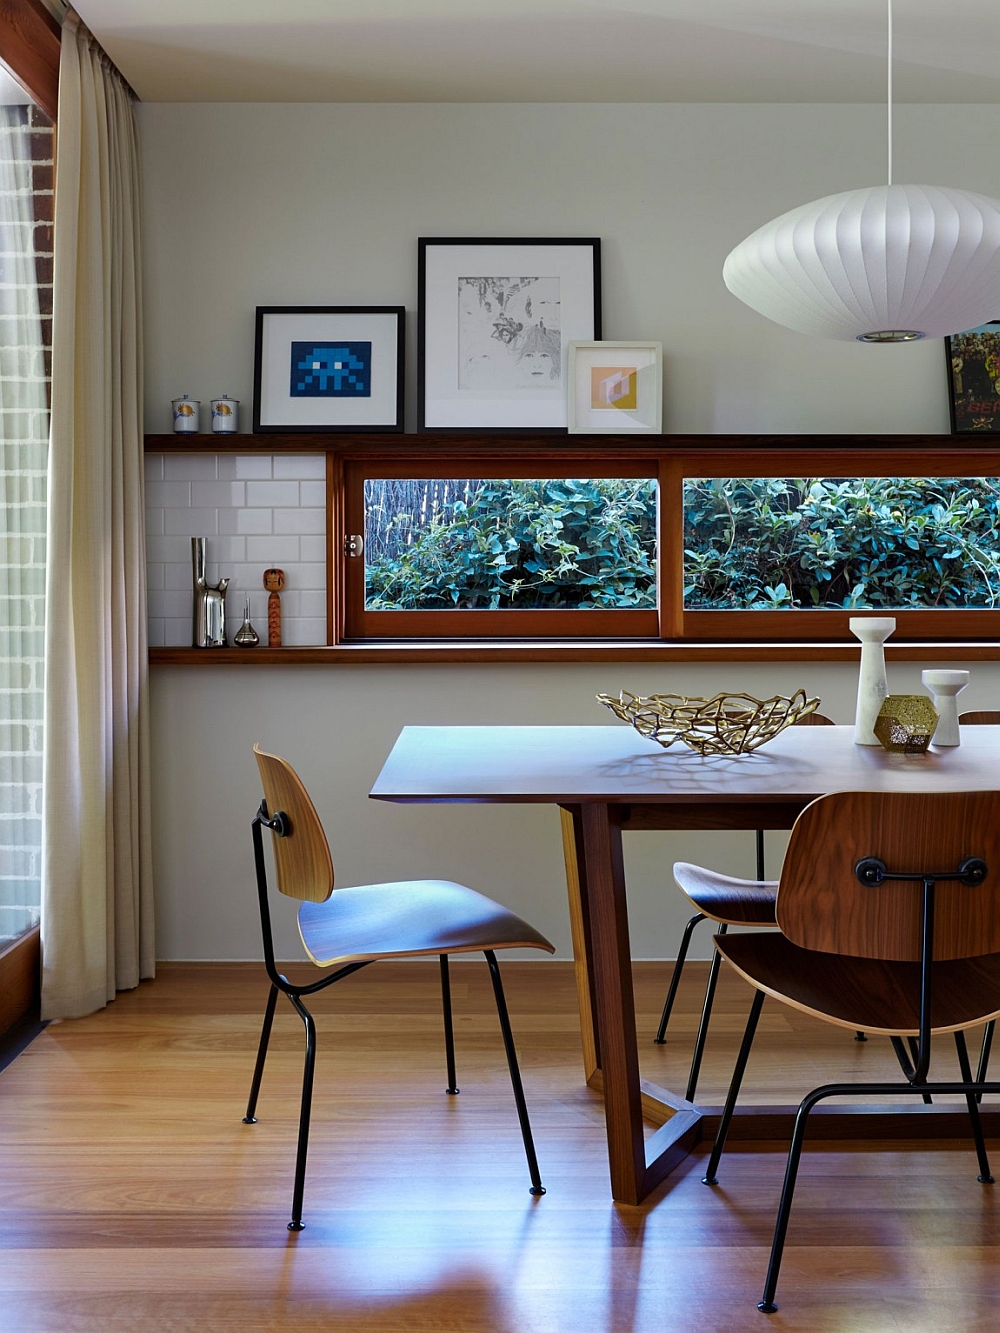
x=872, y=686
x=946, y=686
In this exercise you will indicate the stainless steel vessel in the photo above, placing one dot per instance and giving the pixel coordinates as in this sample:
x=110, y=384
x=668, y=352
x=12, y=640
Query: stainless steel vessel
x=209, y=622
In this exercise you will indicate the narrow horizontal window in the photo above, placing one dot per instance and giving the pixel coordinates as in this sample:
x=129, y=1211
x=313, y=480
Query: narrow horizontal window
x=857, y=544
x=515, y=544
x=522, y=556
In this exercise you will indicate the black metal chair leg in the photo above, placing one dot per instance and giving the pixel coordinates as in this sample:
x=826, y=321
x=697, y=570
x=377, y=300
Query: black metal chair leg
x=449, y=1032
x=984, y=1055
x=265, y=1035
x=296, y=1224
x=766, y=1303
x=515, y=1074
x=706, y=1015
x=906, y=1064
x=709, y=1177
x=760, y=853
x=676, y=976
x=973, y=1102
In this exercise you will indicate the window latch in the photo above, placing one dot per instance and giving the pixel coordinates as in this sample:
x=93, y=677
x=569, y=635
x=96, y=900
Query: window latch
x=354, y=547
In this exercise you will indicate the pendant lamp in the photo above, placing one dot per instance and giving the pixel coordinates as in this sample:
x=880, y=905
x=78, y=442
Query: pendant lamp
x=892, y=263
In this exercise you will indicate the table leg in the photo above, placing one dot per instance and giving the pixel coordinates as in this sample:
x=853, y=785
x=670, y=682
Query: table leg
x=576, y=888
x=604, y=872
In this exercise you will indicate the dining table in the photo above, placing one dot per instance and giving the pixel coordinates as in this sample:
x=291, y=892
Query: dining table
x=609, y=780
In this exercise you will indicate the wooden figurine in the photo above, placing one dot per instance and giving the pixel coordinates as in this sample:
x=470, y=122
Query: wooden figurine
x=274, y=581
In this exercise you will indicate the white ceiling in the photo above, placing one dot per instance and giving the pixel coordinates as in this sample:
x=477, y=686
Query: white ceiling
x=549, y=50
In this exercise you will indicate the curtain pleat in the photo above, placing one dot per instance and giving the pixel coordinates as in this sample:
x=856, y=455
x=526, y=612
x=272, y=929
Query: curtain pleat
x=97, y=911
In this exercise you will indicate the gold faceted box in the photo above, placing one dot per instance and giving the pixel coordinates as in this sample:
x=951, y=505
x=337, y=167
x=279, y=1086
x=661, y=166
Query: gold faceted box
x=906, y=723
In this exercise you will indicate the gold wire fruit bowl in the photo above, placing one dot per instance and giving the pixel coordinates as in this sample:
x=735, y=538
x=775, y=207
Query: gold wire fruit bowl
x=724, y=724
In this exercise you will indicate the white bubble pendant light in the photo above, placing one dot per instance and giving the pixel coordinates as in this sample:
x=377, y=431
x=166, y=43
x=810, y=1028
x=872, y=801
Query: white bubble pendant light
x=891, y=263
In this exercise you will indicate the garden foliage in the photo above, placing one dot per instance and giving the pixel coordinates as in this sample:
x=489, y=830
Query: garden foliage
x=862, y=542
x=511, y=544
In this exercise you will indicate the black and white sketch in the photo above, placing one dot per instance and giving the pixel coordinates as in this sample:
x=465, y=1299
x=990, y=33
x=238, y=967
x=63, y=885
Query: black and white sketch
x=509, y=333
x=495, y=322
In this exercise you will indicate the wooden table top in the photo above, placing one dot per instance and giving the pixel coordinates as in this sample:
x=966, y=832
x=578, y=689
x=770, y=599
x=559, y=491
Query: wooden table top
x=574, y=765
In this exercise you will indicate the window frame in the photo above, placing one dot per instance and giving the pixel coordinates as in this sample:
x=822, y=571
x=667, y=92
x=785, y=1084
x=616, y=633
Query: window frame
x=668, y=459
x=361, y=625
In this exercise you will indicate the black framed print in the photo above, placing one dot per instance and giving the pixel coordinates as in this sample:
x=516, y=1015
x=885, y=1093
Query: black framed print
x=328, y=368
x=496, y=318
x=974, y=379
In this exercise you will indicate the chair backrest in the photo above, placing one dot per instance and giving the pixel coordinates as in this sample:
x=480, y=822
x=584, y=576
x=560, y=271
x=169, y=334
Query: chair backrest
x=822, y=905
x=985, y=717
x=815, y=720
x=302, y=861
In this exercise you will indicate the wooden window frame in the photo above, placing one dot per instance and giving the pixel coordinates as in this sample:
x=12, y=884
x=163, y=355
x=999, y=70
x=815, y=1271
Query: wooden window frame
x=361, y=625
x=29, y=47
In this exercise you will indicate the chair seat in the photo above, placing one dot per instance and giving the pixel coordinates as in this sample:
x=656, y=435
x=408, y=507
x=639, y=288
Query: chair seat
x=409, y=918
x=732, y=902
x=866, y=994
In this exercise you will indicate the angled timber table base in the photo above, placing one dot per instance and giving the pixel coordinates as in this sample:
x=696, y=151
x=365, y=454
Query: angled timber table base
x=608, y=781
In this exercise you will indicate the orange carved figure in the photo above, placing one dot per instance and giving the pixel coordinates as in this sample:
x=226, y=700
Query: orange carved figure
x=274, y=581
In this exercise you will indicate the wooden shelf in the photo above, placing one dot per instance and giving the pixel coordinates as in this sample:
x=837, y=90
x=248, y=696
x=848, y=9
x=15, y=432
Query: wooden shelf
x=439, y=653
x=443, y=444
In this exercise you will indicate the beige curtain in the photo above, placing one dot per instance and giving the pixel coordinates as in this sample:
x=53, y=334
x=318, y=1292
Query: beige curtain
x=97, y=914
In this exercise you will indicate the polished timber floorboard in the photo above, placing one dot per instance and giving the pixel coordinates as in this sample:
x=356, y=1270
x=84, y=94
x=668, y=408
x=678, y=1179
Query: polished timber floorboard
x=133, y=1199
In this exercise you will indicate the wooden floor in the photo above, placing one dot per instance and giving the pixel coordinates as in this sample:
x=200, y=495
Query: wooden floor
x=132, y=1198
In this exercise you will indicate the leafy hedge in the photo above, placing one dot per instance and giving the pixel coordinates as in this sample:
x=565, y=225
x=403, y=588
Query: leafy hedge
x=520, y=544
x=873, y=542
x=750, y=543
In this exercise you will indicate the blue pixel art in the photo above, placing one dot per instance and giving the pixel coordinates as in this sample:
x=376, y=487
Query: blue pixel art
x=331, y=370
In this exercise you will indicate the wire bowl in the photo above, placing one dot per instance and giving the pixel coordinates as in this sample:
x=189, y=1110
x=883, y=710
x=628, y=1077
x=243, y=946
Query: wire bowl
x=724, y=724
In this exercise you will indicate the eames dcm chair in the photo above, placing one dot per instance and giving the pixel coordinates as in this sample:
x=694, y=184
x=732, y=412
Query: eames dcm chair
x=727, y=902
x=888, y=910
x=349, y=928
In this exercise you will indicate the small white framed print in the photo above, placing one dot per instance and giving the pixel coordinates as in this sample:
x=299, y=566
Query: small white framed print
x=615, y=387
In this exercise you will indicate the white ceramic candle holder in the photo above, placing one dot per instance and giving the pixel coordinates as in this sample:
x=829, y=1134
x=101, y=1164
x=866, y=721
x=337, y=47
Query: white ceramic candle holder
x=872, y=686
x=946, y=686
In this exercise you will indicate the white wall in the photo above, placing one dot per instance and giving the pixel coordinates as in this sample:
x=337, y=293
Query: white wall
x=253, y=205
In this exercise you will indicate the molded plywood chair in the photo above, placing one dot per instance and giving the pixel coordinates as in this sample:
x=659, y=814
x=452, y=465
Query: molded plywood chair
x=349, y=928
x=728, y=902
x=888, y=910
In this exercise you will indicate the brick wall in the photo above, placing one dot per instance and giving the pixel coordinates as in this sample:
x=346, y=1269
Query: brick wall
x=26, y=177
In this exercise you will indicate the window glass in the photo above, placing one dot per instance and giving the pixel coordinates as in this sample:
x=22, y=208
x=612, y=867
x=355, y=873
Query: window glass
x=510, y=544
x=26, y=163
x=859, y=542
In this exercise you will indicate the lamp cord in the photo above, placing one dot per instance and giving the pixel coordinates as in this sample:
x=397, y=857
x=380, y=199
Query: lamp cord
x=889, y=91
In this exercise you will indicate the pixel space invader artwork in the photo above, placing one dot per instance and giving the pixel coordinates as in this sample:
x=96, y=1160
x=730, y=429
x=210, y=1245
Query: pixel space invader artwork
x=331, y=370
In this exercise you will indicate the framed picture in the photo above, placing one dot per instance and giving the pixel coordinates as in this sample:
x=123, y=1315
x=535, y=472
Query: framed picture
x=496, y=318
x=615, y=387
x=328, y=368
x=974, y=379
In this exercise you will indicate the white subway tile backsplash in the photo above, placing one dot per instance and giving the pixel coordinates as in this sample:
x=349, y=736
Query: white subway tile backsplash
x=310, y=576
x=168, y=495
x=312, y=604
x=244, y=467
x=256, y=511
x=301, y=466
x=154, y=631
x=189, y=467
x=246, y=522
x=272, y=493
x=218, y=494
x=303, y=633
x=170, y=604
x=303, y=521
x=274, y=550
x=313, y=549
